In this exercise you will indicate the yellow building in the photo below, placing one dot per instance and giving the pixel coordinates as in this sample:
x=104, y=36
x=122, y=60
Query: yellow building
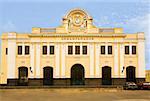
x=75, y=53
x=147, y=75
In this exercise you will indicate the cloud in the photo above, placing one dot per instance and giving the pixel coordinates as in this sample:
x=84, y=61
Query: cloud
x=131, y=25
x=141, y=24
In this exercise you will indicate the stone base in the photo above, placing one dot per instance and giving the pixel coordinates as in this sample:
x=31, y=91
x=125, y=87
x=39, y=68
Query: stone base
x=67, y=81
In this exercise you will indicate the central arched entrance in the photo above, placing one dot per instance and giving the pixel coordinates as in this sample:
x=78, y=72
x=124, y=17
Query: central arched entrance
x=106, y=75
x=77, y=74
x=47, y=75
x=23, y=76
x=130, y=74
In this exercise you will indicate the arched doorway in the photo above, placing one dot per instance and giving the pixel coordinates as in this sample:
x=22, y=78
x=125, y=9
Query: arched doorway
x=106, y=75
x=77, y=74
x=23, y=76
x=130, y=74
x=47, y=75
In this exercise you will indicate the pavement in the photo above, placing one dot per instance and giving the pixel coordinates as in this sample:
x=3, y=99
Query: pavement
x=74, y=94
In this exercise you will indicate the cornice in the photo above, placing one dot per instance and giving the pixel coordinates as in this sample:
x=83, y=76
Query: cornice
x=77, y=35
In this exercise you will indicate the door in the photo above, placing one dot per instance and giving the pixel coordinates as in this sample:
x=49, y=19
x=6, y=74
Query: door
x=23, y=76
x=106, y=76
x=130, y=74
x=77, y=74
x=48, y=76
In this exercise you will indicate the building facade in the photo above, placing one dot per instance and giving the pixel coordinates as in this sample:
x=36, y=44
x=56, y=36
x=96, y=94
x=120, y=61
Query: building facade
x=147, y=76
x=75, y=53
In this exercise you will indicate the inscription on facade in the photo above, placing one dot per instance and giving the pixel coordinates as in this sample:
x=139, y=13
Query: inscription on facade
x=77, y=38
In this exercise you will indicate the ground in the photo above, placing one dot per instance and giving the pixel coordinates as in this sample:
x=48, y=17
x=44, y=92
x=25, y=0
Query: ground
x=74, y=94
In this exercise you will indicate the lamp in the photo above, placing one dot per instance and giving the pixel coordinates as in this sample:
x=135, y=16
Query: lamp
x=123, y=69
x=31, y=70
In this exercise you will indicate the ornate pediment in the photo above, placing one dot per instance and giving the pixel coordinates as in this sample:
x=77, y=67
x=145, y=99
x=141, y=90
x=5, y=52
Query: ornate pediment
x=77, y=20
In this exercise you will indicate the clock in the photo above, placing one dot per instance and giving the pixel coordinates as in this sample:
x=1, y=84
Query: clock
x=77, y=20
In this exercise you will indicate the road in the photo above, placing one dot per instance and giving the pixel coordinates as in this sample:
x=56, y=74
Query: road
x=73, y=94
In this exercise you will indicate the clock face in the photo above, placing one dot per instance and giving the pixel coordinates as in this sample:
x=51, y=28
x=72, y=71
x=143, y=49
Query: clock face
x=77, y=20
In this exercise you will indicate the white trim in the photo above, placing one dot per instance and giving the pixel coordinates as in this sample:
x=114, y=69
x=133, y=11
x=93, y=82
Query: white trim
x=23, y=49
x=122, y=46
x=57, y=62
x=130, y=49
x=37, y=60
x=116, y=68
x=141, y=59
x=91, y=60
x=78, y=41
x=32, y=60
x=63, y=54
x=98, y=70
x=73, y=49
x=106, y=48
x=48, y=49
x=81, y=49
x=11, y=59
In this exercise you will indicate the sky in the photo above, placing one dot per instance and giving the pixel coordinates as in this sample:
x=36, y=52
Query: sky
x=22, y=15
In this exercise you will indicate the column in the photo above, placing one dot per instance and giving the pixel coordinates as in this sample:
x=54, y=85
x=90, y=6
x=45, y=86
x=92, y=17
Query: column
x=11, y=58
x=141, y=59
x=116, y=68
x=32, y=60
x=130, y=49
x=81, y=49
x=122, y=60
x=38, y=60
x=97, y=55
x=106, y=48
x=63, y=56
x=23, y=48
x=48, y=49
x=57, y=62
x=91, y=60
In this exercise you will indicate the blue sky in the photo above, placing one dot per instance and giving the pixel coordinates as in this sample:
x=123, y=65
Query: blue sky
x=22, y=15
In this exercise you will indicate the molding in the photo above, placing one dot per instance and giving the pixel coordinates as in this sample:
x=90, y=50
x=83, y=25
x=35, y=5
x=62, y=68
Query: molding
x=89, y=35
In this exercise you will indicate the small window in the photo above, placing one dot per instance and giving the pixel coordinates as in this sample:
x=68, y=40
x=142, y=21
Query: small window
x=70, y=49
x=51, y=49
x=133, y=49
x=102, y=49
x=126, y=49
x=44, y=50
x=27, y=50
x=77, y=49
x=19, y=50
x=109, y=49
x=84, y=49
x=6, y=51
